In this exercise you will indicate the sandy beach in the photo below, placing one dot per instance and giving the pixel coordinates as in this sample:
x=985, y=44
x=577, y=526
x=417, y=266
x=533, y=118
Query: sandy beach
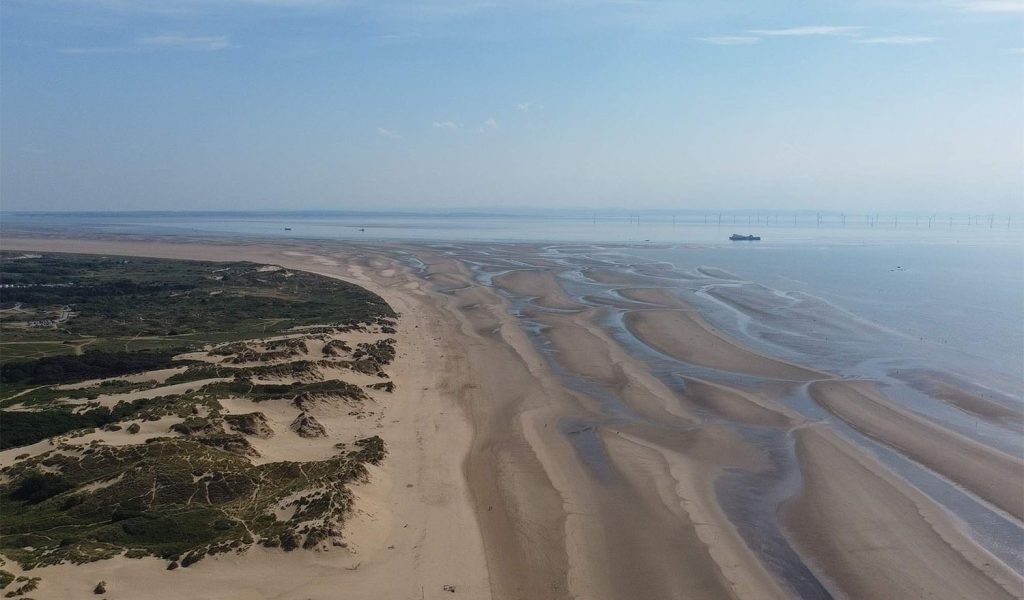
x=544, y=446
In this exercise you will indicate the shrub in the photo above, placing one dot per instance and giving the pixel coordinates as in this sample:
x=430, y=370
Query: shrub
x=39, y=487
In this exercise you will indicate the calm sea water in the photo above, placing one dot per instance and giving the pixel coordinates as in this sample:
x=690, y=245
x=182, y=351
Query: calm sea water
x=955, y=286
x=958, y=305
x=554, y=228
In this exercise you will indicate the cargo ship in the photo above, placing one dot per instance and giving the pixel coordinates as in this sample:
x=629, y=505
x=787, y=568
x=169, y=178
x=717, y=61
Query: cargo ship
x=744, y=238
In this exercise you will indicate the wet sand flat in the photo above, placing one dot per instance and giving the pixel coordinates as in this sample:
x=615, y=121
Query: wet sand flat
x=539, y=284
x=974, y=401
x=994, y=476
x=872, y=536
x=683, y=335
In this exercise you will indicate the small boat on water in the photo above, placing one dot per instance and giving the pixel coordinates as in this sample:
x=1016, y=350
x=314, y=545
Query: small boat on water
x=287, y=228
x=744, y=238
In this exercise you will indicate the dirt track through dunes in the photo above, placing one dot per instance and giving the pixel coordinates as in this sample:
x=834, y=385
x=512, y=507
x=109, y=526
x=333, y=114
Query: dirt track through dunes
x=873, y=536
x=988, y=473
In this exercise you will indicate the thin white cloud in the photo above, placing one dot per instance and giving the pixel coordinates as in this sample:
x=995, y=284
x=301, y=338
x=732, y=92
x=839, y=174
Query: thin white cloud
x=445, y=125
x=389, y=133
x=208, y=43
x=529, y=106
x=896, y=40
x=992, y=6
x=729, y=40
x=807, y=30
x=490, y=124
x=97, y=50
x=1016, y=50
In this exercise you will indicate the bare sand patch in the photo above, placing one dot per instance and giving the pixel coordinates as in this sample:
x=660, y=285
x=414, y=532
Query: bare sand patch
x=154, y=376
x=111, y=400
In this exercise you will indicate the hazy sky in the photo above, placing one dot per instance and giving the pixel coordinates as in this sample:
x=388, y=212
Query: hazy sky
x=323, y=104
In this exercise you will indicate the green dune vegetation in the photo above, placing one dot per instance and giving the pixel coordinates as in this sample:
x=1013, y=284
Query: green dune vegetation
x=151, y=351
x=121, y=305
x=172, y=498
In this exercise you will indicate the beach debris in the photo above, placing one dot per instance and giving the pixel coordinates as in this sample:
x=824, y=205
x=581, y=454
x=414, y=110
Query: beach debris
x=101, y=588
x=448, y=588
